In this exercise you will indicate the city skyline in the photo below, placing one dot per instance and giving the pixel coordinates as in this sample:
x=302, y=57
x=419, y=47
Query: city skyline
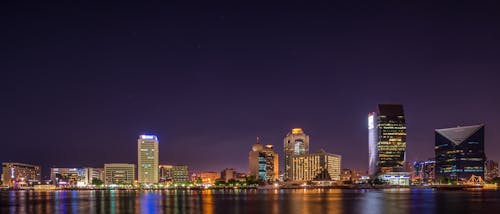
x=80, y=80
x=293, y=132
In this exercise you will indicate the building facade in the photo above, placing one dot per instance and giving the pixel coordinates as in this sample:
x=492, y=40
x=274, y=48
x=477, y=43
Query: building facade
x=147, y=153
x=208, y=177
x=263, y=162
x=95, y=174
x=20, y=174
x=386, y=139
x=119, y=173
x=228, y=174
x=180, y=174
x=69, y=176
x=319, y=166
x=354, y=176
x=490, y=169
x=295, y=143
x=459, y=153
x=423, y=172
x=165, y=173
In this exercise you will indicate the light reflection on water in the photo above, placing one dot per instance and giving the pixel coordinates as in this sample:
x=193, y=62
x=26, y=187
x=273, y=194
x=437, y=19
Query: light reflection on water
x=251, y=201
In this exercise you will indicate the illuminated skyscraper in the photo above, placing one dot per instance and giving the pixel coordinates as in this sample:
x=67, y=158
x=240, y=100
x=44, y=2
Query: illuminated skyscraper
x=263, y=162
x=147, y=148
x=459, y=153
x=294, y=143
x=386, y=139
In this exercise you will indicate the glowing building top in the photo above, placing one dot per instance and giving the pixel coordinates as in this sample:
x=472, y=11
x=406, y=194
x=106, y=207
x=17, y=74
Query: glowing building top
x=297, y=131
x=148, y=137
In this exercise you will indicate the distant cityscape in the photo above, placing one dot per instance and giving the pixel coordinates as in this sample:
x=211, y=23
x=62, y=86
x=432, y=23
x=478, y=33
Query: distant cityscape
x=460, y=159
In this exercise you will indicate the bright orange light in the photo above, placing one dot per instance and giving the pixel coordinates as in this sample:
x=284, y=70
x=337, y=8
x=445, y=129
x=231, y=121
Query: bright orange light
x=297, y=131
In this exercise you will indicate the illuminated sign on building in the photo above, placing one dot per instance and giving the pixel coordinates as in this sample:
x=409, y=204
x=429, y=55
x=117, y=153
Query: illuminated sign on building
x=149, y=137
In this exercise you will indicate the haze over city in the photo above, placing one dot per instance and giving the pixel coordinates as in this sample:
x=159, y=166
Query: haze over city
x=81, y=82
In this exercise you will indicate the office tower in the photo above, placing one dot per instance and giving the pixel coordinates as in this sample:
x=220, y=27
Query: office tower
x=294, y=143
x=69, y=176
x=459, y=153
x=490, y=169
x=318, y=166
x=20, y=174
x=386, y=139
x=180, y=174
x=263, y=162
x=147, y=148
x=119, y=173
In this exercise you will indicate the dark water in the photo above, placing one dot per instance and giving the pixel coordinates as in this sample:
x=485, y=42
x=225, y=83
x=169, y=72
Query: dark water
x=251, y=201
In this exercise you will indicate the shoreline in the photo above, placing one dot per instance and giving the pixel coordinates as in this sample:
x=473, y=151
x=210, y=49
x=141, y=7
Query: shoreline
x=444, y=187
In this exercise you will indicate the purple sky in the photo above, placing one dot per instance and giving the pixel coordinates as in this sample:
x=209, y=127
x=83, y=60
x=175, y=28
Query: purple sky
x=80, y=81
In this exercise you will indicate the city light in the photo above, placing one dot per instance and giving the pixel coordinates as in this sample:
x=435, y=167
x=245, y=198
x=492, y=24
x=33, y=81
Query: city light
x=149, y=137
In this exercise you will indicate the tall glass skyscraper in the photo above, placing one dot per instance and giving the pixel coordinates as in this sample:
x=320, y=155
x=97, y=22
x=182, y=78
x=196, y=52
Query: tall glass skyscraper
x=386, y=139
x=294, y=143
x=459, y=153
x=147, y=149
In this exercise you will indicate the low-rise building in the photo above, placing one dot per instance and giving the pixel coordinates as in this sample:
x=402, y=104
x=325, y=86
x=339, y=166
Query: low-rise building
x=490, y=169
x=228, y=174
x=95, y=174
x=69, y=176
x=119, y=173
x=20, y=174
x=319, y=166
x=165, y=173
x=208, y=177
x=180, y=174
x=354, y=176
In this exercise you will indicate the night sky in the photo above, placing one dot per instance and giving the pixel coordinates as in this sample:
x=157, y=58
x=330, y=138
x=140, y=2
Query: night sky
x=80, y=80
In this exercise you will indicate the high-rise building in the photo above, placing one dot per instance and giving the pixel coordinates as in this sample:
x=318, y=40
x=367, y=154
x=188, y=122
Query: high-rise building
x=490, y=169
x=20, y=174
x=263, y=162
x=119, y=173
x=147, y=148
x=459, y=153
x=386, y=139
x=319, y=166
x=294, y=143
x=69, y=176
